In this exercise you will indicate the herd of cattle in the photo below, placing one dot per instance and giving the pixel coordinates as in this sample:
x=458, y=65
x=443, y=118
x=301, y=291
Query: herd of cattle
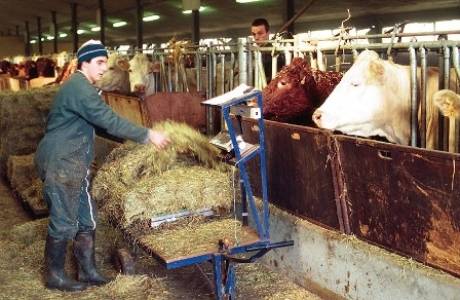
x=371, y=99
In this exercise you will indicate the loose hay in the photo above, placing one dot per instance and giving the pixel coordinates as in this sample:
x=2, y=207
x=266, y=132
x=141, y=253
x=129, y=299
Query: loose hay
x=198, y=239
x=22, y=114
x=139, y=182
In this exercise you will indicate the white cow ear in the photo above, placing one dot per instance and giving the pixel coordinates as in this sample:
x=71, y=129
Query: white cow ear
x=123, y=64
x=448, y=103
x=376, y=71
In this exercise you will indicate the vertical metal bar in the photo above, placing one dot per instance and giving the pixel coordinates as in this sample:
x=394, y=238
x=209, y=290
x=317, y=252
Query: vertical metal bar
x=263, y=170
x=413, y=97
x=140, y=24
x=55, y=32
x=242, y=61
x=176, y=75
x=319, y=57
x=27, y=40
x=250, y=69
x=274, y=67
x=452, y=139
x=423, y=84
x=74, y=24
x=198, y=70
x=102, y=21
x=455, y=63
x=222, y=74
x=232, y=67
x=209, y=94
x=169, y=76
x=214, y=72
x=217, y=267
x=39, y=33
x=17, y=30
x=455, y=59
x=163, y=78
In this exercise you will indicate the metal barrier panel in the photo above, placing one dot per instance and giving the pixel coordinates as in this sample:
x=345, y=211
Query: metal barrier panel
x=300, y=177
x=404, y=199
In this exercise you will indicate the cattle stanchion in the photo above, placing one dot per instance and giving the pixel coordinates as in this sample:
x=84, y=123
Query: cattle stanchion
x=423, y=85
x=413, y=96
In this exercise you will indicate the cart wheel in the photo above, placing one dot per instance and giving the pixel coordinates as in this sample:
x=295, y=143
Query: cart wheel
x=124, y=261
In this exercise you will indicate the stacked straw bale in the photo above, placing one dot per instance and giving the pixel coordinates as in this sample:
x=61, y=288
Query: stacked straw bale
x=25, y=183
x=22, y=121
x=138, y=182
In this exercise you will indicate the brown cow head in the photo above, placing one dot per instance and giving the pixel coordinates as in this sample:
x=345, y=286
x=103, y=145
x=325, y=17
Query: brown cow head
x=296, y=92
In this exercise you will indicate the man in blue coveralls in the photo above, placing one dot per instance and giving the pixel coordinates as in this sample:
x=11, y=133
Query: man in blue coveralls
x=63, y=159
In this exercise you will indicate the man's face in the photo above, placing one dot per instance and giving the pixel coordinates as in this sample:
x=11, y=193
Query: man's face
x=259, y=33
x=95, y=68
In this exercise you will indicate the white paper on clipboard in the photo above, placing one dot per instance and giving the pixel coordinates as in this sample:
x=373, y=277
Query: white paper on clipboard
x=239, y=91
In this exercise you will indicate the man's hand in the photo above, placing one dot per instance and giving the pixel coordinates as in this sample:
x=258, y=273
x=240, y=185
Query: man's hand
x=157, y=138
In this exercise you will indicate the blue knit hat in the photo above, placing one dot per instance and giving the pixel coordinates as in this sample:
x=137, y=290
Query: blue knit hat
x=90, y=50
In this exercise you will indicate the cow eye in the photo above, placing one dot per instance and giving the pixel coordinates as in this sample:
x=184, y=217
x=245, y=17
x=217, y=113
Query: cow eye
x=355, y=83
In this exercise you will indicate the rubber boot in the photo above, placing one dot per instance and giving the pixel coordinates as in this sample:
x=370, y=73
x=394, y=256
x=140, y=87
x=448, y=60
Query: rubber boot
x=55, y=253
x=84, y=250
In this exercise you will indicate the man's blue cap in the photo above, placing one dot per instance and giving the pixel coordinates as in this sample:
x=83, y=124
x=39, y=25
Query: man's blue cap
x=90, y=50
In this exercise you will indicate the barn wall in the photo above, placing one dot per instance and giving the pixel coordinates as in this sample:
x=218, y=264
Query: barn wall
x=337, y=266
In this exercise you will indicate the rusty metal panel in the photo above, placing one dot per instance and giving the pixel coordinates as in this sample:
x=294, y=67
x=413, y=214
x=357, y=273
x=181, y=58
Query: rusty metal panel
x=300, y=178
x=180, y=107
x=131, y=108
x=402, y=198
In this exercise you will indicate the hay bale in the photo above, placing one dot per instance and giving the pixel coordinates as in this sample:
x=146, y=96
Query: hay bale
x=138, y=181
x=22, y=121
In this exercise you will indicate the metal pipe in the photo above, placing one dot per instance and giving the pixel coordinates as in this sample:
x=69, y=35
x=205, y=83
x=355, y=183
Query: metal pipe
x=214, y=73
x=256, y=69
x=163, y=78
x=455, y=61
x=242, y=61
x=423, y=86
x=232, y=67
x=319, y=57
x=176, y=75
x=450, y=122
x=413, y=97
x=39, y=33
x=55, y=32
x=27, y=39
x=102, y=21
x=198, y=71
x=169, y=76
x=74, y=24
x=140, y=24
x=250, y=57
x=274, y=66
x=222, y=74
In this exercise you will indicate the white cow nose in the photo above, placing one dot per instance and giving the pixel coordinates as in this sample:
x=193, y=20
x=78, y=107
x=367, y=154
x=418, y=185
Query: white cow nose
x=317, y=117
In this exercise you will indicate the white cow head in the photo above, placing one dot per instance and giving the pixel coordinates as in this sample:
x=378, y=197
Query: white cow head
x=116, y=78
x=370, y=100
x=140, y=70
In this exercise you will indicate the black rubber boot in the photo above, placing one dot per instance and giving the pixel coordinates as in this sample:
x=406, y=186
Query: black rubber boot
x=85, y=255
x=55, y=252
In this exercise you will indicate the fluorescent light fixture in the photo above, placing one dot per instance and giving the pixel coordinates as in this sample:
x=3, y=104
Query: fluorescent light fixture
x=151, y=18
x=81, y=31
x=247, y=1
x=62, y=35
x=42, y=39
x=97, y=28
x=50, y=37
x=119, y=24
x=33, y=41
x=189, y=11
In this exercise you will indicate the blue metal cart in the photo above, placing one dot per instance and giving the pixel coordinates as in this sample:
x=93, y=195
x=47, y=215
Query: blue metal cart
x=254, y=242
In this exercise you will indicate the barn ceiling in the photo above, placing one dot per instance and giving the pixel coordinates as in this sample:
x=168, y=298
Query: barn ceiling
x=220, y=17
